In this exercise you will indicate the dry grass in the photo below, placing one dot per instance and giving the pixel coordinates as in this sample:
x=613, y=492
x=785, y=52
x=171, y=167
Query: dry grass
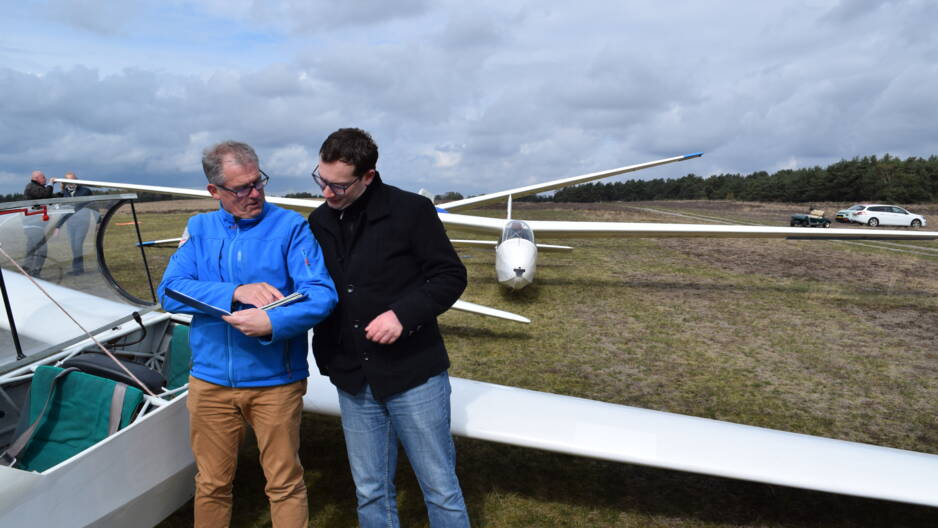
x=822, y=338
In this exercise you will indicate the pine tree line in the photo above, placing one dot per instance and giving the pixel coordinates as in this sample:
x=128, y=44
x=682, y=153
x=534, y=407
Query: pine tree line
x=887, y=179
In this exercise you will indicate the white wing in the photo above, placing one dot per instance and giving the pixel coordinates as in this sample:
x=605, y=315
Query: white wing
x=192, y=193
x=475, y=224
x=561, y=229
x=490, y=312
x=493, y=244
x=467, y=203
x=518, y=192
x=619, y=433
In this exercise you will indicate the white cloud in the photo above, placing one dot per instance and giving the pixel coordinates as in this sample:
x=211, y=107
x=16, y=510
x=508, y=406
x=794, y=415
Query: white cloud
x=293, y=161
x=445, y=160
x=463, y=98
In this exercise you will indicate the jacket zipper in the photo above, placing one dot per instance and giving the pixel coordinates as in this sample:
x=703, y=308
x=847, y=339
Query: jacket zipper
x=228, y=328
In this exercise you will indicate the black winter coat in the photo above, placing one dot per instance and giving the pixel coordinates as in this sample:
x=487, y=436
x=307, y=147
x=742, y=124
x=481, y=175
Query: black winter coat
x=35, y=191
x=402, y=260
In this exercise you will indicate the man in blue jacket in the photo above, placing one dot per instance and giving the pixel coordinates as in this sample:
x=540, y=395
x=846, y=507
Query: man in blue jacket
x=248, y=368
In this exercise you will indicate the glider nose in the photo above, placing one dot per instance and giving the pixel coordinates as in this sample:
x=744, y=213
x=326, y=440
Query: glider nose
x=516, y=283
x=515, y=261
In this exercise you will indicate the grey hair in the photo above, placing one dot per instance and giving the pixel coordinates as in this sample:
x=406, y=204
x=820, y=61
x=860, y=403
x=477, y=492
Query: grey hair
x=213, y=157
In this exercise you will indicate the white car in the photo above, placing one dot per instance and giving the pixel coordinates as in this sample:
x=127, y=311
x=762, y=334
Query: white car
x=888, y=215
x=843, y=215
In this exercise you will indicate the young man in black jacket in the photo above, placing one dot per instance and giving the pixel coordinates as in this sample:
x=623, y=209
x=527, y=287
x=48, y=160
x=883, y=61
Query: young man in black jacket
x=395, y=271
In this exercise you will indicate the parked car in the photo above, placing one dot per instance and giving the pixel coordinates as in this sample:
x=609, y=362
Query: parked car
x=843, y=216
x=888, y=215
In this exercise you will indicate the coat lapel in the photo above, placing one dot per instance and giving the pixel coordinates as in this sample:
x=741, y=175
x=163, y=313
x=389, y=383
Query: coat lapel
x=326, y=220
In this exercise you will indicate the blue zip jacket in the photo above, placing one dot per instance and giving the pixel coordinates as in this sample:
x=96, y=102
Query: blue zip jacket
x=222, y=253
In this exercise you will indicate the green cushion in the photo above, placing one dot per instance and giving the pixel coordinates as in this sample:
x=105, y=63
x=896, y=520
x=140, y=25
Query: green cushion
x=77, y=417
x=179, y=361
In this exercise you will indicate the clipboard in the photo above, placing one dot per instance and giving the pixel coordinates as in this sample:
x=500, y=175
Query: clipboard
x=218, y=312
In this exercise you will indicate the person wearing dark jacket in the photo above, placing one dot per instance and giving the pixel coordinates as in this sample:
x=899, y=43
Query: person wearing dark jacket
x=33, y=227
x=395, y=271
x=76, y=223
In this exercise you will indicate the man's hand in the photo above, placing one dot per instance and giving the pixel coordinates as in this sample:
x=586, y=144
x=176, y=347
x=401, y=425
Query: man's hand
x=256, y=294
x=251, y=322
x=384, y=329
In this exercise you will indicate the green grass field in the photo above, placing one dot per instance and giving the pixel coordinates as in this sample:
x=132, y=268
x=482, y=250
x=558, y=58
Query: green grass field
x=823, y=338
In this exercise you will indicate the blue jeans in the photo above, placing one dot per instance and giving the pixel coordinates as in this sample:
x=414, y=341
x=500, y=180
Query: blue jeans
x=420, y=419
x=77, y=226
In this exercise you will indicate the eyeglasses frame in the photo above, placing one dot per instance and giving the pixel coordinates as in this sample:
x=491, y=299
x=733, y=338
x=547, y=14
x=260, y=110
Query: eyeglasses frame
x=246, y=191
x=338, y=188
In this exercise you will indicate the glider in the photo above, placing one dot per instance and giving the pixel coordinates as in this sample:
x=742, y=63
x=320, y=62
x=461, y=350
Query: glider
x=515, y=251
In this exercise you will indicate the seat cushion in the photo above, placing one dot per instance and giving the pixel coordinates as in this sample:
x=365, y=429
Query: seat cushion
x=77, y=417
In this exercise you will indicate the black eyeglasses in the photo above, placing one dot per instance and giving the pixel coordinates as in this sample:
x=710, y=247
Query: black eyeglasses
x=337, y=188
x=244, y=191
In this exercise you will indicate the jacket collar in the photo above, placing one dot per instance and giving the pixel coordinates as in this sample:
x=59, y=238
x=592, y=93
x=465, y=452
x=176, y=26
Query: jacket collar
x=229, y=219
x=377, y=206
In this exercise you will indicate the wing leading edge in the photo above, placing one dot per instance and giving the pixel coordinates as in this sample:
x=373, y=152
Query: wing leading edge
x=563, y=229
x=306, y=203
x=518, y=192
x=560, y=229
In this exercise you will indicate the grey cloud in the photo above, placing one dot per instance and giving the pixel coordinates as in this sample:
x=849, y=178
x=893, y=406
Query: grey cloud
x=278, y=80
x=887, y=23
x=395, y=80
x=845, y=11
x=467, y=30
x=301, y=16
x=475, y=98
x=105, y=17
x=120, y=123
x=900, y=118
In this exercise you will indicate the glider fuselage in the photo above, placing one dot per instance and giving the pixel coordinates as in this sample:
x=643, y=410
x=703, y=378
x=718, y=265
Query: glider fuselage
x=516, y=256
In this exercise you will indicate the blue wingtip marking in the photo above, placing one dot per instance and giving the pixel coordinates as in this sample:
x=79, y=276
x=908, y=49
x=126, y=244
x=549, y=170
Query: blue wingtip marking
x=441, y=210
x=694, y=155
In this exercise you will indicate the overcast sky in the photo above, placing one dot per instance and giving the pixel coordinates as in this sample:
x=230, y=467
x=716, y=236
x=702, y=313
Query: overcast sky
x=462, y=96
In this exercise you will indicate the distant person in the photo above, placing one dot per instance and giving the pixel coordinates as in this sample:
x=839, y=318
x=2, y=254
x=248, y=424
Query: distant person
x=396, y=271
x=76, y=223
x=248, y=368
x=33, y=226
